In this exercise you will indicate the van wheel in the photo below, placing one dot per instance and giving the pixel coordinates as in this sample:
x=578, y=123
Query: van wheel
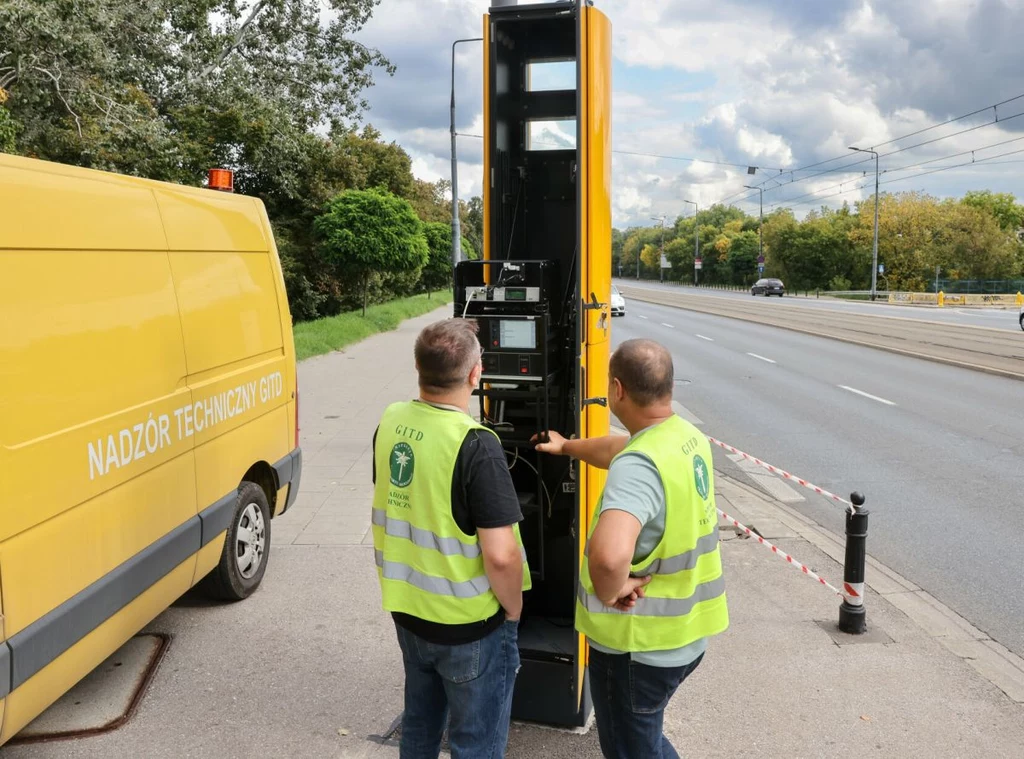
x=246, y=547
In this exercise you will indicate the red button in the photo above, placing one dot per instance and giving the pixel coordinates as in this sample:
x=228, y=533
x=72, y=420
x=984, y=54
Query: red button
x=523, y=369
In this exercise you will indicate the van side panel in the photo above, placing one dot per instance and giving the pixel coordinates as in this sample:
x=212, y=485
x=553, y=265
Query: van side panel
x=228, y=309
x=97, y=212
x=291, y=378
x=5, y=655
x=99, y=487
x=90, y=346
x=204, y=220
x=238, y=371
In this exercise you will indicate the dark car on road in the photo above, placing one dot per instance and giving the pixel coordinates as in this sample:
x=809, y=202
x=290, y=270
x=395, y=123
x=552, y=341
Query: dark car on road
x=768, y=287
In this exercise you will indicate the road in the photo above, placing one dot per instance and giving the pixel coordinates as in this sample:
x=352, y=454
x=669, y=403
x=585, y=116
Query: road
x=995, y=318
x=938, y=450
x=998, y=351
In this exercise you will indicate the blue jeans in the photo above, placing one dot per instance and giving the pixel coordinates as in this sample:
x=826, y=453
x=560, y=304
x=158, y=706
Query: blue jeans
x=469, y=684
x=629, y=704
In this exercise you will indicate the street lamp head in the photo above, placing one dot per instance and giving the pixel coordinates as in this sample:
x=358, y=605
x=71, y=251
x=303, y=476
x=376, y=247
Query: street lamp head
x=853, y=148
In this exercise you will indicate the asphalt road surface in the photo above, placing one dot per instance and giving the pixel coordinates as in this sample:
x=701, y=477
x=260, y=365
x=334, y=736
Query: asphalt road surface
x=995, y=318
x=938, y=450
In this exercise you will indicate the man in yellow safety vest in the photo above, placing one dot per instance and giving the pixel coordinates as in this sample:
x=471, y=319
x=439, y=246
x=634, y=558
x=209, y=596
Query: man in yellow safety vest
x=449, y=556
x=651, y=589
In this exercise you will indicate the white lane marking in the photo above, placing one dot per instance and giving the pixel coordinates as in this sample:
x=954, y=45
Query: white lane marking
x=686, y=414
x=641, y=316
x=762, y=358
x=868, y=395
x=1001, y=315
x=709, y=339
x=771, y=484
x=663, y=324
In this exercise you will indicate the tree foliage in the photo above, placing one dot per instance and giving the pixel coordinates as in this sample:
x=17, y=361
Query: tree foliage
x=972, y=238
x=167, y=89
x=437, y=274
x=367, y=232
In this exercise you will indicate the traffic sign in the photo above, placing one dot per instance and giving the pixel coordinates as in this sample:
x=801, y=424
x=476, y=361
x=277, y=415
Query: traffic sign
x=697, y=264
x=760, y=268
x=760, y=260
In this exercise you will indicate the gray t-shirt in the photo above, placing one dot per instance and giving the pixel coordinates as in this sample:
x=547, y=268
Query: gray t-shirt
x=634, y=486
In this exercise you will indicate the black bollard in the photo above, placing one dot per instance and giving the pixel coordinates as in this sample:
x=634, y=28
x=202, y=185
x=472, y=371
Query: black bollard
x=852, y=616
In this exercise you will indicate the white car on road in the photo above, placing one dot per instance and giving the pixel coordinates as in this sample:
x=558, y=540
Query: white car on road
x=618, y=302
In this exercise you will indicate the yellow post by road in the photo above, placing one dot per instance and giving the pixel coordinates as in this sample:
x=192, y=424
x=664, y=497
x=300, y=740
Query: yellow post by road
x=942, y=299
x=1020, y=299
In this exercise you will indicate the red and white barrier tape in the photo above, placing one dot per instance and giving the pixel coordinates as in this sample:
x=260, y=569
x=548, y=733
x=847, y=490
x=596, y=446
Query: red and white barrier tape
x=782, y=473
x=785, y=556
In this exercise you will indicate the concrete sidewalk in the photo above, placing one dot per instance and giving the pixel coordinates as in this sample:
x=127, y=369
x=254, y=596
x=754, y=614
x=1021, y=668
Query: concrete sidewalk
x=309, y=666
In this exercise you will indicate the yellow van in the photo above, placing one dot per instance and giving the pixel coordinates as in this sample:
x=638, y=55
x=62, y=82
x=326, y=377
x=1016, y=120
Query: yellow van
x=148, y=413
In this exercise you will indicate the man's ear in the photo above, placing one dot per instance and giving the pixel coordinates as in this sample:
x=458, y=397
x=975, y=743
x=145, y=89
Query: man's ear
x=474, y=374
x=617, y=388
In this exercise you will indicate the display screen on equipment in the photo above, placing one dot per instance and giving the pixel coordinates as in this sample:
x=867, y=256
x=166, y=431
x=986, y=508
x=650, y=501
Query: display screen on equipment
x=517, y=334
x=512, y=293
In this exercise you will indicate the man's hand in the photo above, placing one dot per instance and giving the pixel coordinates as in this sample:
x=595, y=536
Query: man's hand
x=554, y=446
x=626, y=598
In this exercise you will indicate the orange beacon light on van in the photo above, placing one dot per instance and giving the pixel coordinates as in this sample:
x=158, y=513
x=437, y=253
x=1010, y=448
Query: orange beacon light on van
x=221, y=179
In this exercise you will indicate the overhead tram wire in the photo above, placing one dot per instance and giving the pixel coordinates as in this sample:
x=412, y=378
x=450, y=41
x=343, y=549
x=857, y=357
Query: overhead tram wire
x=901, y=168
x=792, y=172
x=650, y=155
x=966, y=164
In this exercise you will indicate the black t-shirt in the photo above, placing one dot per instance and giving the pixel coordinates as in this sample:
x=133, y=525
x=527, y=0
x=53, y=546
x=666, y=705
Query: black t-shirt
x=482, y=496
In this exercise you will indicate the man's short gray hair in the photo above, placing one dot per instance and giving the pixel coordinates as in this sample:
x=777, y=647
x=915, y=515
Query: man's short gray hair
x=644, y=368
x=445, y=353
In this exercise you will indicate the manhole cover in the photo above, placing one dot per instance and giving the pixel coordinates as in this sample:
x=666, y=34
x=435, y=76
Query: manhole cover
x=105, y=699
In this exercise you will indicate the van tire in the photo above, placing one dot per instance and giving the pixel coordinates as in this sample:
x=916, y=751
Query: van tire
x=229, y=581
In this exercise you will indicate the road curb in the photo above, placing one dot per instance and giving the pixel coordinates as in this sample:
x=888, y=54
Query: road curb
x=992, y=660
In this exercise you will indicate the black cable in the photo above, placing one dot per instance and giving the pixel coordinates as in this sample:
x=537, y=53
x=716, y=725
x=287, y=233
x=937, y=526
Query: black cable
x=980, y=161
x=791, y=172
x=902, y=168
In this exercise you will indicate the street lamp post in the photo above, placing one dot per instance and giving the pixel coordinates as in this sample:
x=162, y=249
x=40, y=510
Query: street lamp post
x=456, y=231
x=696, y=241
x=874, y=247
x=661, y=270
x=760, y=223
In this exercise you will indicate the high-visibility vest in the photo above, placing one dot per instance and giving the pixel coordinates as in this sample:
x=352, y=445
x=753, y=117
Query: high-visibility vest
x=685, y=599
x=428, y=567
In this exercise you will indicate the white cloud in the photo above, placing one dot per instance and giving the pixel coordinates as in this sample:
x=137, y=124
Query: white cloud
x=772, y=83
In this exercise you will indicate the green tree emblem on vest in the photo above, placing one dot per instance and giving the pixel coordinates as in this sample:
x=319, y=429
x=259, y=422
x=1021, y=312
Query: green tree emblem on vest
x=701, y=477
x=402, y=465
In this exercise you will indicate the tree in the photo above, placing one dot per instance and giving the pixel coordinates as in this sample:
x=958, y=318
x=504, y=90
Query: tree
x=970, y=242
x=365, y=232
x=437, y=274
x=473, y=224
x=743, y=258
x=1002, y=206
x=651, y=256
x=618, y=239
x=432, y=200
x=8, y=127
x=168, y=88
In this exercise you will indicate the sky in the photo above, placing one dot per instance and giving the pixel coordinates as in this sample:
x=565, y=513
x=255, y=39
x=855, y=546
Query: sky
x=775, y=84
